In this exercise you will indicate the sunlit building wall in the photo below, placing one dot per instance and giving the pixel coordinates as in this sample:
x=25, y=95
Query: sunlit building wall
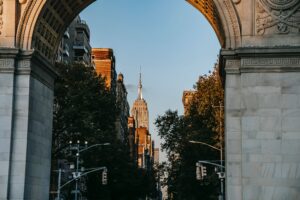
x=104, y=61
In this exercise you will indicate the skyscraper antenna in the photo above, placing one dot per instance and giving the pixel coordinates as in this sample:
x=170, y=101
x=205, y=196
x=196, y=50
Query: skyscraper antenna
x=140, y=94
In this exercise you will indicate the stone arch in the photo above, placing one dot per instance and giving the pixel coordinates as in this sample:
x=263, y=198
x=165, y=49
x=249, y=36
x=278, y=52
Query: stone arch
x=223, y=18
x=27, y=23
x=260, y=56
x=43, y=22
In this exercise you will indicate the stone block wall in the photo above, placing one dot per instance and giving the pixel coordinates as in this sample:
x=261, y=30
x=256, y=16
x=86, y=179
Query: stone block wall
x=6, y=123
x=26, y=109
x=263, y=128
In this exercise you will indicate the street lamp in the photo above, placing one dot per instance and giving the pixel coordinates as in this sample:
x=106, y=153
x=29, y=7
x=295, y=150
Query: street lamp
x=221, y=174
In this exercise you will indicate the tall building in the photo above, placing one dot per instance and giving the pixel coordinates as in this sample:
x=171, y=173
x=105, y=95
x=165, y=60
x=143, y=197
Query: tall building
x=139, y=109
x=131, y=139
x=104, y=61
x=144, y=146
x=105, y=66
x=122, y=103
x=75, y=44
x=143, y=141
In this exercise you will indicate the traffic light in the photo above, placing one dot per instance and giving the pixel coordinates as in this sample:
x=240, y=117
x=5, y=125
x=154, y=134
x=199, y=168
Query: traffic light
x=198, y=171
x=104, y=177
x=201, y=171
x=204, y=172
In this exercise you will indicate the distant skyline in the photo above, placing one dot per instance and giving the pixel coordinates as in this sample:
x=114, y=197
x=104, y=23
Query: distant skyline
x=172, y=42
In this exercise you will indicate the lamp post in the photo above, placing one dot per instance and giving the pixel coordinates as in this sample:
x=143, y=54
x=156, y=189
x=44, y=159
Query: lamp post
x=77, y=174
x=221, y=175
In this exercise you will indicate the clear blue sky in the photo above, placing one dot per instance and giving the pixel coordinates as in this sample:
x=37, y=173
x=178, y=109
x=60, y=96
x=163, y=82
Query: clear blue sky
x=169, y=39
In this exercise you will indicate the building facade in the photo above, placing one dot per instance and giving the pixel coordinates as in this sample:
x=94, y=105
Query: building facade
x=143, y=141
x=122, y=103
x=139, y=110
x=131, y=140
x=105, y=65
x=75, y=44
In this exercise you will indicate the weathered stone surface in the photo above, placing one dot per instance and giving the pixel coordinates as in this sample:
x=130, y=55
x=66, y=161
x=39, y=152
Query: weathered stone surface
x=269, y=130
x=26, y=103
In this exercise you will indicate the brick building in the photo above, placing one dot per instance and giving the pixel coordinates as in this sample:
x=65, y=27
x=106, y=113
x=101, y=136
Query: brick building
x=104, y=62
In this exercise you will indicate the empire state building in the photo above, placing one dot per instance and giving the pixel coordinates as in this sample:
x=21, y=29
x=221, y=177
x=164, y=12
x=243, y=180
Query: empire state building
x=142, y=137
x=139, y=110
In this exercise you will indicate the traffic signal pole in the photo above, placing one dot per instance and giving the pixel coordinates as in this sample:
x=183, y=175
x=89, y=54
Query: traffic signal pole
x=77, y=174
x=76, y=177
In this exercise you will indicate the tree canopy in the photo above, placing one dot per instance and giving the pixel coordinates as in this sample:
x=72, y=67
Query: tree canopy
x=201, y=123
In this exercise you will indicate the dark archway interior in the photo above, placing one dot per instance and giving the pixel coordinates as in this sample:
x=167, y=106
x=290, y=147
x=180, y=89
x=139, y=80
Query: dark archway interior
x=52, y=22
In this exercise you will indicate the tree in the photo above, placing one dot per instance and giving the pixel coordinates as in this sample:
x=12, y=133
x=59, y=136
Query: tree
x=84, y=108
x=204, y=110
x=201, y=124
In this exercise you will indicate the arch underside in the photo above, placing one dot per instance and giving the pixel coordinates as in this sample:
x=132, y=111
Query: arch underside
x=45, y=21
x=47, y=25
x=223, y=18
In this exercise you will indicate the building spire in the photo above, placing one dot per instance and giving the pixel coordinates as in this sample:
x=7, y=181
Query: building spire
x=140, y=94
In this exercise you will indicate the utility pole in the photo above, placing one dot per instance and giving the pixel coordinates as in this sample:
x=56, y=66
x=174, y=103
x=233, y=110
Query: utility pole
x=58, y=184
x=221, y=175
x=77, y=168
x=79, y=149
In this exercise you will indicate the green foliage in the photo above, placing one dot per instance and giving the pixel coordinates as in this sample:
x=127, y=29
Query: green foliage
x=85, y=110
x=205, y=112
x=200, y=124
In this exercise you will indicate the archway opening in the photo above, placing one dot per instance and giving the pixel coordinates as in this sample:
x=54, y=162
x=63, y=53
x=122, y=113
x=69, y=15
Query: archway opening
x=140, y=37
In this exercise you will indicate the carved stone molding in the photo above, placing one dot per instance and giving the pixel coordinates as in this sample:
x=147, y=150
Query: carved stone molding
x=266, y=65
x=4, y=63
x=7, y=65
x=234, y=22
x=269, y=65
x=277, y=16
x=24, y=23
x=24, y=64
x=236, y=1
x=233, y=66
x=1, y=13
x=271, y=62
x=22, y=1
